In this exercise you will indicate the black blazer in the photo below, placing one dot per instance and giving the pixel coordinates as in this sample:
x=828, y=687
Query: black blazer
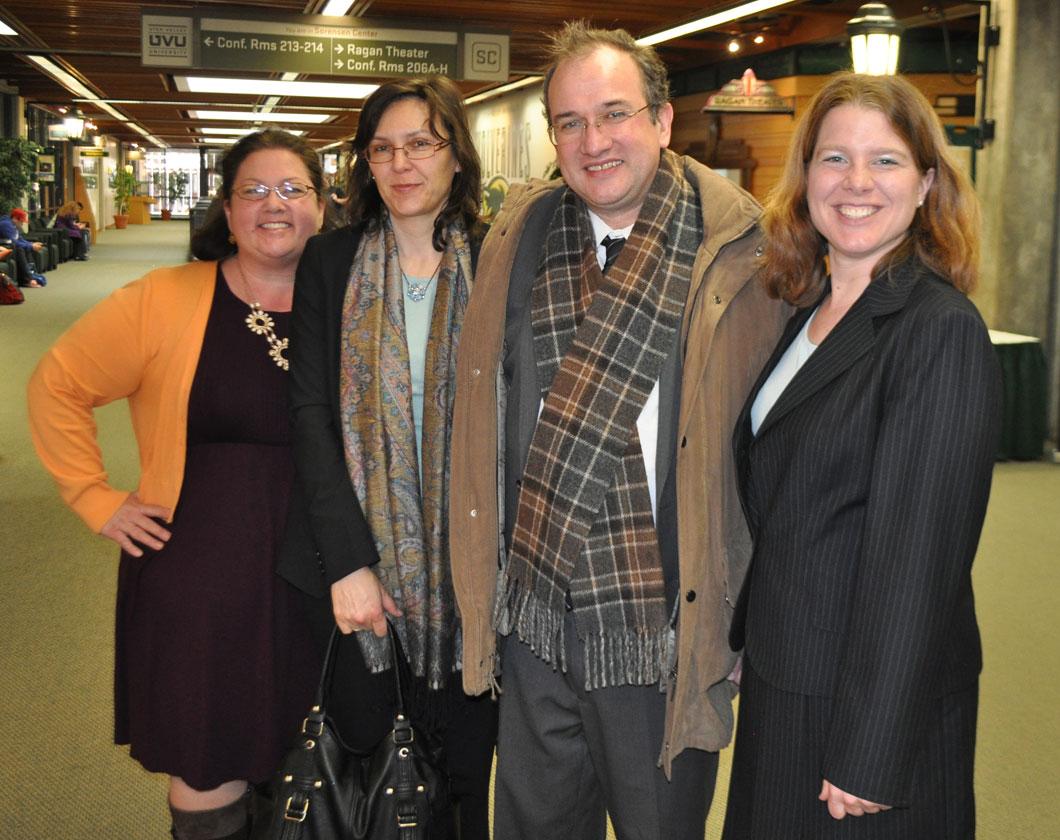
x=327, y=535
x=865, y=491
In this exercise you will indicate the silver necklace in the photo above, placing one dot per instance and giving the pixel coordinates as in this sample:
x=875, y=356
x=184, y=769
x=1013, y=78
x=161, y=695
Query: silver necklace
x=260, y=322
x=418, y=291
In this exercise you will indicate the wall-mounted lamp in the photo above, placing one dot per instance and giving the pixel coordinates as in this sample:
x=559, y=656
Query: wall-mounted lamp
x=74, y=123
x=874, y=40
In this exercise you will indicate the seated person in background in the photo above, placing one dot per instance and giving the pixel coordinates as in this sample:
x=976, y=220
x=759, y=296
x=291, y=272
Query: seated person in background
x=10, y=230
x=66, y=220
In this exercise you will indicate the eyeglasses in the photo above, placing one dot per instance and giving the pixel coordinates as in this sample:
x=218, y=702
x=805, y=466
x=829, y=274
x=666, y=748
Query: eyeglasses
x=571, y=129
x=287, y=190
x=416, y=150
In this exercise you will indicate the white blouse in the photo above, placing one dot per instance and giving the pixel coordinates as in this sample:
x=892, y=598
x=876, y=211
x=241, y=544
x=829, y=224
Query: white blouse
x=794, y=358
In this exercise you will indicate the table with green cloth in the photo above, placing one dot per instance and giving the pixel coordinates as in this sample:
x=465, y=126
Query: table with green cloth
x=1024, y=393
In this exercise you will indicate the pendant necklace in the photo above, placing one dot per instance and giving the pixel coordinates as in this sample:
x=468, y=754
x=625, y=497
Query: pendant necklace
x=418, y=291
x=260, y=322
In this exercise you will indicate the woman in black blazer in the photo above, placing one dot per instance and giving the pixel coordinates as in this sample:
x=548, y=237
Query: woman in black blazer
x=864, y=457
x=374, y=335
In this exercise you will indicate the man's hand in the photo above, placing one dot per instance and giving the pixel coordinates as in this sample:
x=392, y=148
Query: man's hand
x=136, y=521
x=37, y=246
x=361, y=603
x=841, y=803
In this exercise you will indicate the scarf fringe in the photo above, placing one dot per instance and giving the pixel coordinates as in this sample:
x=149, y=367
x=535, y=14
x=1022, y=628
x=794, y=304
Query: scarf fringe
x=520, y=610
x=627, y=657
x=631, y=657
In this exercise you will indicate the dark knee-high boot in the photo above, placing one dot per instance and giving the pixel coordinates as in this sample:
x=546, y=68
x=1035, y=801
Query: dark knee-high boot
x=228, y=822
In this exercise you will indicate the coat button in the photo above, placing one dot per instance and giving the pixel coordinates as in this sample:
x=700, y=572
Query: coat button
x=475, y=371
x=716, y=298
x=759, y=251
x=690, y=595
x=684, y=442
x=474, y=512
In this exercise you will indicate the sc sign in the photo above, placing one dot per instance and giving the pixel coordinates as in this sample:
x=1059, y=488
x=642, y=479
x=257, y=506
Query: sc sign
x=486, y=57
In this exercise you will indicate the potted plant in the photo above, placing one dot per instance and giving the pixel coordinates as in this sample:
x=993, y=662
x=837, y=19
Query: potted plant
x=18, y=162
x=125, y=186
x=178, y=187
x=159, y=191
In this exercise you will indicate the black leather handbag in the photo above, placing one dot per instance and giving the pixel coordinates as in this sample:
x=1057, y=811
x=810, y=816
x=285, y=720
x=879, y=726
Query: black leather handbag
x=327, y=791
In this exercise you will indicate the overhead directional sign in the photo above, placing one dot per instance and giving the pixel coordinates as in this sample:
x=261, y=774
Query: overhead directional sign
x=316, y=44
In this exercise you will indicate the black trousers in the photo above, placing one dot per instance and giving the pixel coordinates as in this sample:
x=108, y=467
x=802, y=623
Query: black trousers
x=26, y=266
x=362, y=707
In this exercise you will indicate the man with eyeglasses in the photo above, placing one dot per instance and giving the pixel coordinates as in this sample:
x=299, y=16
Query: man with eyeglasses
x=612, y=337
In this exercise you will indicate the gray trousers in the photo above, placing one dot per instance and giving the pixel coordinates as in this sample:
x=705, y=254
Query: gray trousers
x=567, y=757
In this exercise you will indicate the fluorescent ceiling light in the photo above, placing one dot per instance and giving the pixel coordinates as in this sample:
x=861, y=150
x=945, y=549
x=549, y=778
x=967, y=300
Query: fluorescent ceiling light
x=114, y=112
x=216, y=141
x=74, y=86
x=139, y=129
x=503, y=89
x=716, y=19
x=61, y=76
x=239, y=132
x=6, y=30
x=337, y=7
x=274, y=87
x=258, y=116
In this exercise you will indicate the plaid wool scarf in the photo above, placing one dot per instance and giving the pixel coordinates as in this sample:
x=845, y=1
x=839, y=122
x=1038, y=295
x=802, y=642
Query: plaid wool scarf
x=408, y=517
x=584, y=521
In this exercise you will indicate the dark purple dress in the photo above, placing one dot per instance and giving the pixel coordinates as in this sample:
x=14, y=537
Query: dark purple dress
x=214, y=665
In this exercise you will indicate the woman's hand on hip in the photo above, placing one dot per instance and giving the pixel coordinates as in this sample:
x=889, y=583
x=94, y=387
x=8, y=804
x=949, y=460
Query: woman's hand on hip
x=361, y=603
x=134, y=522
x=841, y=803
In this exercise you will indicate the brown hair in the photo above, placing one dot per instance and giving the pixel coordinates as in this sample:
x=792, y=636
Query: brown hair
x=68, y=209
x=944, y=234
x=577, y=39
x=445, y=106
x=211, y=240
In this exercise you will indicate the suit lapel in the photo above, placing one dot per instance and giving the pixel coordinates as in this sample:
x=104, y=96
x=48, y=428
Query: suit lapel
x=848, y=341
x=791, y=329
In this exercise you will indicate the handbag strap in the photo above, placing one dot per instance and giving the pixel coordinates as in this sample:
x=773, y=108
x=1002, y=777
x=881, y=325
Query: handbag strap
x=329, y=664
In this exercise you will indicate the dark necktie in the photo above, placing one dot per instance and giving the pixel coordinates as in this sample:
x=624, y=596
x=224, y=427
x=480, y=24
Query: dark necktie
x=611, y=247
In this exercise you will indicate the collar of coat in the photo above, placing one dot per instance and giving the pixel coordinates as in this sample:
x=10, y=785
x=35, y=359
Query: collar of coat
x=728, y=212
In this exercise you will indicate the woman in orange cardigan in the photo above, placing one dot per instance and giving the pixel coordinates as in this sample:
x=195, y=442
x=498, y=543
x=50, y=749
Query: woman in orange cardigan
x=213, y=663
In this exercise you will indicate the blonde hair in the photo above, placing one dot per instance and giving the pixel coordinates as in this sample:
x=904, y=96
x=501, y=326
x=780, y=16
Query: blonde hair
x=944, y=234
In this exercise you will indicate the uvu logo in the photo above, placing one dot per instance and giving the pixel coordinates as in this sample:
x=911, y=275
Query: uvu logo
x=168, y=40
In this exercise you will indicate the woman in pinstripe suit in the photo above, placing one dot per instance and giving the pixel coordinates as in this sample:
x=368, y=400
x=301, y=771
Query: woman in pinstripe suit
x=864, y=457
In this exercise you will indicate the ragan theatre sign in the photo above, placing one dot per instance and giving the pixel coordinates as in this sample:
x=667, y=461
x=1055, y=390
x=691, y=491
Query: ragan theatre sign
x=220, y=39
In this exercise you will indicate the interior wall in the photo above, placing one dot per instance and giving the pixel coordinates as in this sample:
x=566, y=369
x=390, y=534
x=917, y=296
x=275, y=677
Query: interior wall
x=1020, y=178
x=768, y=135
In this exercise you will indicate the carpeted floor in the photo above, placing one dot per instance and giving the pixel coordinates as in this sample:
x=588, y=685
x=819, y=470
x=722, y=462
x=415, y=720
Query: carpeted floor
x=63, y=779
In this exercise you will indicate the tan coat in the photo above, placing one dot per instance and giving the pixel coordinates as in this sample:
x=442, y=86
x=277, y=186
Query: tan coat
x=729, y=329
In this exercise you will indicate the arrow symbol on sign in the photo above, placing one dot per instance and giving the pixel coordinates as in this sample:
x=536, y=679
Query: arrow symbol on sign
x=208, y=41
x=338, y=49
x=338, y=65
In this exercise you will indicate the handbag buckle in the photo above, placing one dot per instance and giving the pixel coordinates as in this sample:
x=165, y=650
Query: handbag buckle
x=306, y=727
x=406, y=820
x=293, y=814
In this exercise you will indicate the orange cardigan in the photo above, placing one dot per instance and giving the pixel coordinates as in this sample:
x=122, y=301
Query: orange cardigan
x=141, y=343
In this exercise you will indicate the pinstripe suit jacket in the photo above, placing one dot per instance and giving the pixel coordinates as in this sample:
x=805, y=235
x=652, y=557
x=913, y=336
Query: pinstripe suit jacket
x=865, y=491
